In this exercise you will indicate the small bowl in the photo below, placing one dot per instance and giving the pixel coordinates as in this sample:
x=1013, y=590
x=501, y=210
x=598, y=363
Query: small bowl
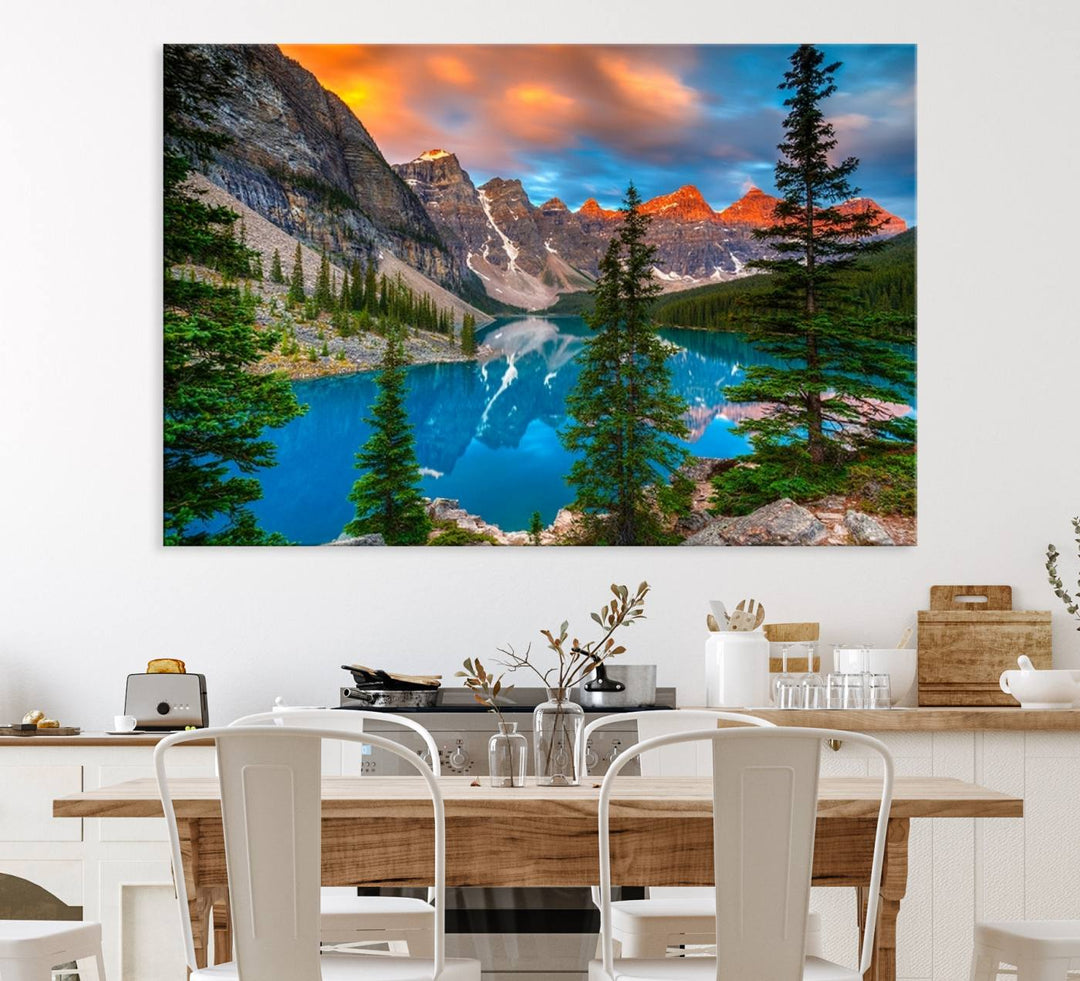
x=899, y=663
x=1042, y=689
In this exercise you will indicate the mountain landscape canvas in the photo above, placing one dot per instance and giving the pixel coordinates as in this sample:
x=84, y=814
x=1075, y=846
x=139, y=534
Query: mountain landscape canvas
x=517, y=295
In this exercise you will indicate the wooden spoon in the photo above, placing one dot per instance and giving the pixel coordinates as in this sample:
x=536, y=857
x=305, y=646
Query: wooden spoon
x=748, y=617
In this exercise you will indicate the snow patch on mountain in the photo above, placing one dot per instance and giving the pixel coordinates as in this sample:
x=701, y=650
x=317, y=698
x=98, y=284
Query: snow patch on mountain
x=508, y=247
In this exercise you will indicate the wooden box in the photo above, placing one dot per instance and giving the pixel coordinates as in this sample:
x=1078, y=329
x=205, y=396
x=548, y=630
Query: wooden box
x=968, y=637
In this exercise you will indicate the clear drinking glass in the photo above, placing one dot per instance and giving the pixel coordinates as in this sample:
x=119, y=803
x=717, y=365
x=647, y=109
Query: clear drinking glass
x=879, y=693
x=508, y=755
x=834, y=690
x=784, y=678
x=813, y=691
x=788, y=692
x=853, y=691
x=557, y=725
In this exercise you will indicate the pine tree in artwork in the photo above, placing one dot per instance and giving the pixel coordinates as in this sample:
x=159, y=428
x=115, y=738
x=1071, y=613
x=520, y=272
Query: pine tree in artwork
x=468, y=335
x=216, y=409
x=627, y=421
x=832, y=372
x=296, y=280
x=324, y=288
x=276, y=273
x=356, y=294
x=387, y=496
x=371, y=290
x=536, y=528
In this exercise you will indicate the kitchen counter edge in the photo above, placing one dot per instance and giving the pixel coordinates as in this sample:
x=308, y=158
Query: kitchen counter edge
x=924, y=719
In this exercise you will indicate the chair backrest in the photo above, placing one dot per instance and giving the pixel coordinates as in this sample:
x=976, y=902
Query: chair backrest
x=271, y=809
x=347, y=720
x=671, y=761
x=765, y=791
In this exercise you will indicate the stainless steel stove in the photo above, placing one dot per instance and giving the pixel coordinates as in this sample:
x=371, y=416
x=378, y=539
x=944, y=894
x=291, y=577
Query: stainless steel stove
x=528, y=934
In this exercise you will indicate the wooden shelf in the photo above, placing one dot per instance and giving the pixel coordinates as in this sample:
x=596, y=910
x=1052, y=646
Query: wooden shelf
x=924, y=719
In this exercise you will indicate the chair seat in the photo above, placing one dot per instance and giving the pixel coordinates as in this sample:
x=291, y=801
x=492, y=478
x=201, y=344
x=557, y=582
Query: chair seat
x=349, y=967
x=694, y=915
x=704, y=969
x=46, y=938
x=1031, y=939
x=376, y=912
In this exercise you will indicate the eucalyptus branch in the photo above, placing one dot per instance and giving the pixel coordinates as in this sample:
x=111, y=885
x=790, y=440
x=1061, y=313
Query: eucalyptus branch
x=485, y=687
x=517, y=661
x=578, y=660
x=1070, y=601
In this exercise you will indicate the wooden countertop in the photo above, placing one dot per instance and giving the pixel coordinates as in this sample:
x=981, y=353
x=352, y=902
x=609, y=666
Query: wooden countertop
x=997, y=719
x=91, y=739
x=407, y=797
x=922, y=719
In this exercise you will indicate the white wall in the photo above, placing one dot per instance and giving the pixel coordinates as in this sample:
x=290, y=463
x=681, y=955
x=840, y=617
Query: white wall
x=86, y=592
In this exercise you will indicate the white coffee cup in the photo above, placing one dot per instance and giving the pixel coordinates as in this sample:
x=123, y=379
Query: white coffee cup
x=124, y=723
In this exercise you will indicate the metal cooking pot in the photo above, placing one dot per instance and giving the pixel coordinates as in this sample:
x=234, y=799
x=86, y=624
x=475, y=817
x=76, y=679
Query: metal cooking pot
x=619, y=686
x=388, y=698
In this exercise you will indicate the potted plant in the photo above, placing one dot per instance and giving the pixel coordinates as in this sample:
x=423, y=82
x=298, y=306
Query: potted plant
x=557, y=723
x=508, y=750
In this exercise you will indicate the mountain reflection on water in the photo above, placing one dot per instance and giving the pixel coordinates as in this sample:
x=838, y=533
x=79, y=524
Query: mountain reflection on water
x=486, y=432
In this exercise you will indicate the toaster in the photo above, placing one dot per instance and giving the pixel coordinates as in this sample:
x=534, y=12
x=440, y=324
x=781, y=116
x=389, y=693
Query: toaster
x=164, y=702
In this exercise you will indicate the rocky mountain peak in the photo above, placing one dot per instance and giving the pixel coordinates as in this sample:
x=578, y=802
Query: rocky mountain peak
x=553, y=204
x=434, y=154
x=889, y=224
x=685, y=204
x=592, y=209
x=754, y=208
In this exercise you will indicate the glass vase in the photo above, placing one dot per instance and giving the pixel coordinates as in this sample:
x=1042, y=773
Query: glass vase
x=508, y=755
x=557, y=725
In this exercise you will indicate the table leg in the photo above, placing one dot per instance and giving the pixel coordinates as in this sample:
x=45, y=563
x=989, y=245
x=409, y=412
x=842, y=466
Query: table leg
x=222, y=920
x=199, y=914
x=208, y=905
x=893, y=889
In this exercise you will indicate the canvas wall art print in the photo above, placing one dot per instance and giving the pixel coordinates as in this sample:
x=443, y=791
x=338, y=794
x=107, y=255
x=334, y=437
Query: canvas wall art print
x=517, y=295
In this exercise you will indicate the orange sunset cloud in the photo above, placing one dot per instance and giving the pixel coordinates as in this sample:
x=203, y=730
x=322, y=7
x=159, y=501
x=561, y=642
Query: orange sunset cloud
x=488, y=102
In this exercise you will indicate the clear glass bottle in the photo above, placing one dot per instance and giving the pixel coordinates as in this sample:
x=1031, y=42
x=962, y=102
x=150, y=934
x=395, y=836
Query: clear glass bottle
x=508, y=756
x=557, y=725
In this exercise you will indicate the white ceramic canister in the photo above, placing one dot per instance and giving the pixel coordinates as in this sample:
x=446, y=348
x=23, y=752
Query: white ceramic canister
x=737, y=669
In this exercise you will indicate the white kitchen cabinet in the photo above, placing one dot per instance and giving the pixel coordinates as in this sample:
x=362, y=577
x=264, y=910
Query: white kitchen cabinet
x=26, y=803
x=116, y=870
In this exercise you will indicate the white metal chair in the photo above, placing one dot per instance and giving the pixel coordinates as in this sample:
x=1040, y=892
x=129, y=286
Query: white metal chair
x=676, y=916
x=30, y=949
x=346, y=917
x=1041, y=950
x=271, y=810
x=765, y=790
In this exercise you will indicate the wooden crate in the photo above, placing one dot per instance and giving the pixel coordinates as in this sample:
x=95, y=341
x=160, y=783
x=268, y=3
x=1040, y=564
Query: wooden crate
x=965, y=645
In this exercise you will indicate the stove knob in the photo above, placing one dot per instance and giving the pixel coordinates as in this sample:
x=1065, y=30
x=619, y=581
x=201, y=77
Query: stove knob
x=163, y=708
x=614, y=752
x=458, y=758
x=591, y=757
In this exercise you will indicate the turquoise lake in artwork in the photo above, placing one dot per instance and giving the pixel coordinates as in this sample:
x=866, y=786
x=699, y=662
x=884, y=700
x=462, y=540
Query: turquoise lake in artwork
x=486, y=432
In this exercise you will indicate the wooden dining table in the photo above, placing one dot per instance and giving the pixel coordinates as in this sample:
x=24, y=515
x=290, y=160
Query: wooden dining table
x=377, y=832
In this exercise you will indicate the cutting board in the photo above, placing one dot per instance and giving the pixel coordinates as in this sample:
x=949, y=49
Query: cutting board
x=969, y=636
x=60, y=731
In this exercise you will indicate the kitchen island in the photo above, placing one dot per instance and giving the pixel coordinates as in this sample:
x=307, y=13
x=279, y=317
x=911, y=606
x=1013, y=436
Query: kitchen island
x=966, y=870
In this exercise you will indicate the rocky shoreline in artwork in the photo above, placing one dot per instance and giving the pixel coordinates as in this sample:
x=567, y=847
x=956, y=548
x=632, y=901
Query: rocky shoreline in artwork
x=831, y=520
